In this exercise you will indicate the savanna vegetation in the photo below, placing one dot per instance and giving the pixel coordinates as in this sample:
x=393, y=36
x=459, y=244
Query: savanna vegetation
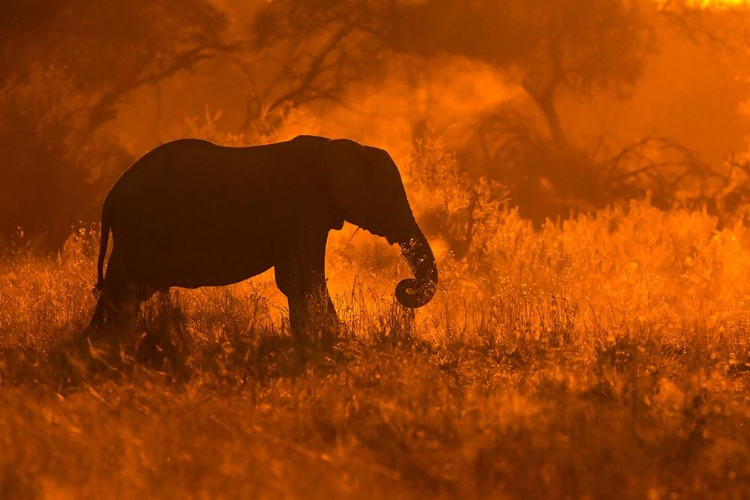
x=606, y=357
x=578, y=166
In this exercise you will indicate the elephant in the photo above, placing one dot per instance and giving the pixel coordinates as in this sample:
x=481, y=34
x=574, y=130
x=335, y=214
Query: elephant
x=191, y=213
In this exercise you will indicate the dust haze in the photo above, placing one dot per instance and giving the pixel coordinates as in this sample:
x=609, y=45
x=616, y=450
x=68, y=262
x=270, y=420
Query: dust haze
x=580, y=168
x=571, y=106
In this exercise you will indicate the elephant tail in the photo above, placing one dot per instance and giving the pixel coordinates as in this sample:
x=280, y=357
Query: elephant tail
x=102, y=252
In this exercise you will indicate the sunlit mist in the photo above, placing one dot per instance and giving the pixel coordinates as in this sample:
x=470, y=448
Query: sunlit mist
x=523, y=273
x=719, y=4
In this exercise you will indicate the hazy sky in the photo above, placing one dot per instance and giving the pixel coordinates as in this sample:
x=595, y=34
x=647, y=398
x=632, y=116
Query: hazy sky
x=687, y=93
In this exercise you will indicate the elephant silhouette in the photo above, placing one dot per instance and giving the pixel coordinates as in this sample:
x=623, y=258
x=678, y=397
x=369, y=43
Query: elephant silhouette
x=191, y=213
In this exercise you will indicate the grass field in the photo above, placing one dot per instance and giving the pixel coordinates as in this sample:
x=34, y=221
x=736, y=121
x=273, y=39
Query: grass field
x=605, y=357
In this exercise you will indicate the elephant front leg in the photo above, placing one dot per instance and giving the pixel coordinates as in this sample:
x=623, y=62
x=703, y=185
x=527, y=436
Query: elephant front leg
x=312, y=316
x=301, y=277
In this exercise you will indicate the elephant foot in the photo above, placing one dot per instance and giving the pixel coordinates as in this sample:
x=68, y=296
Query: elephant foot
x=322, y=333
x=112, y=345
x=315, y=344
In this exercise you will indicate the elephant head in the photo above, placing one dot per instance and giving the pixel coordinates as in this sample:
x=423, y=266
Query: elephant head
x=366, y=188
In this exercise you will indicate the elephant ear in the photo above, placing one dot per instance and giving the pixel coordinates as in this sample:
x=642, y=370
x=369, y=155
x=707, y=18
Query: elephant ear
x=349, y=181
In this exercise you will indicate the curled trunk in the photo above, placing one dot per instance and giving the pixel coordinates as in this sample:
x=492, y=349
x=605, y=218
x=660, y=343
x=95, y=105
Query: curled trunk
x=418, y=291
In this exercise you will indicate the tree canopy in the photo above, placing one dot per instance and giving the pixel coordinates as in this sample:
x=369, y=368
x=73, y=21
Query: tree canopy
x=68, y=68
x=64, y=69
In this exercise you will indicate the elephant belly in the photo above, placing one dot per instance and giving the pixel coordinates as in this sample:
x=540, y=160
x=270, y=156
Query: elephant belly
x=215, y=272
x=180, y=226
x=170, y=260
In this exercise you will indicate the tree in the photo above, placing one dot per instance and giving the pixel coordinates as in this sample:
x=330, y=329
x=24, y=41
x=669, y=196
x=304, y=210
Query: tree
x=64, y=69
x=551, y=49
x=313, y=50
x=550, y=45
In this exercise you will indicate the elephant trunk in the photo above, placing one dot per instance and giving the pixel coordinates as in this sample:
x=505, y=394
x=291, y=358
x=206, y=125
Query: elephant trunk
x=418, y=291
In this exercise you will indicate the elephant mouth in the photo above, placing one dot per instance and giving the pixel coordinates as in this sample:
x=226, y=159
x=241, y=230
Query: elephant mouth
x=418, y=291
x=412, y=293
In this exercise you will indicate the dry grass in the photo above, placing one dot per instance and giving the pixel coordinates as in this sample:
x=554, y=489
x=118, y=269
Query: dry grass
x=604, y=358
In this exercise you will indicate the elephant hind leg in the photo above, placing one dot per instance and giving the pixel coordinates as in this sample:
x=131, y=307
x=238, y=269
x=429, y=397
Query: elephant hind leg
x=119, y=300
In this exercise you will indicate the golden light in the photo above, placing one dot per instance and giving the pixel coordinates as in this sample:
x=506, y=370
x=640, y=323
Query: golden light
x=719, y=4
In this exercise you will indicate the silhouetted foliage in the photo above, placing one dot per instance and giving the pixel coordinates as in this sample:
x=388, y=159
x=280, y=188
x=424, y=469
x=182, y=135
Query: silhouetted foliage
x=108, y=50
x=313, y=51
x=68, y=67
x=547, y=179
x=64, y=68
x=462, y=210
x=552, y=45
x=548, y=48
x=52, y=170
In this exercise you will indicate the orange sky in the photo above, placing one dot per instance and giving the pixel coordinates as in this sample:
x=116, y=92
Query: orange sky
x=719, y=3
x=667, y=101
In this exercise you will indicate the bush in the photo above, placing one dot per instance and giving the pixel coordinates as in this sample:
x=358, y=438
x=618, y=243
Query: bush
x=55, y=170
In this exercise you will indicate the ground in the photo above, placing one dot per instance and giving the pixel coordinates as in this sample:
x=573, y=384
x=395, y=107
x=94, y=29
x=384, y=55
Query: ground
x=605, y=357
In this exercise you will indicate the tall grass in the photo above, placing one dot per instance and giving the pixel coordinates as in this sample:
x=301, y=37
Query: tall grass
x=601, y=357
